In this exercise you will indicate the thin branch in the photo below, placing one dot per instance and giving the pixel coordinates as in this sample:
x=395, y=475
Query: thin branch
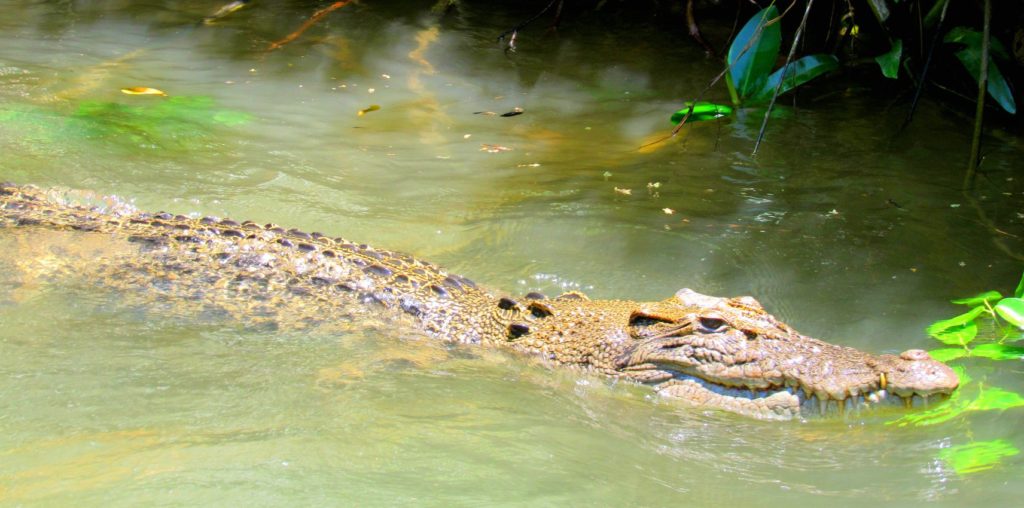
x=979, y=112
x=789, y=58
x=694, y=29
x=316, y=17
x=514, y=30
x=927, y=65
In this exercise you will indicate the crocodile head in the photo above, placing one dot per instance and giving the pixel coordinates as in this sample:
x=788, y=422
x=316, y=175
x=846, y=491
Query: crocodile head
x=727, y=353
x=731, y=354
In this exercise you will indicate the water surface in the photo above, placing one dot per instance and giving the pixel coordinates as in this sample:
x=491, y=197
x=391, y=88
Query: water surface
x=841, y=226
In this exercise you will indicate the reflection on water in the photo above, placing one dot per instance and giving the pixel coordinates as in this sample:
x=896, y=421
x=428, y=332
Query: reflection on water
x=841, y=228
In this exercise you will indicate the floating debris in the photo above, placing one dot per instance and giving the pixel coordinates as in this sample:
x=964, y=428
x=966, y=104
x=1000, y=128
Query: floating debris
x=625, y=192
x=488, y=113
x=373, y=107
x=143, y=90
x=668, y=211
x=484, y=147
x=514, y=112
x=305, y=26
x=225, y=10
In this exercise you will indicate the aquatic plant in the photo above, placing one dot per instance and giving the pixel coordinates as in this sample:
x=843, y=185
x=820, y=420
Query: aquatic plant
x=1003, y=320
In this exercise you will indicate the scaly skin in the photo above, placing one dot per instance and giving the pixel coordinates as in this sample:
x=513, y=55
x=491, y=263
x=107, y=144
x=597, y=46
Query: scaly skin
x=724, y=353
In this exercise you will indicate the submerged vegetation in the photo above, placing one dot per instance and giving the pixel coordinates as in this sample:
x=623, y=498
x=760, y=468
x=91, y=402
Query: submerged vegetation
x=182, y=124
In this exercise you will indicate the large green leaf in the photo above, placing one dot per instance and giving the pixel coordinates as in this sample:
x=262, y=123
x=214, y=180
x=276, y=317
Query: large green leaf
x=1012, y=310
x=977, y=456
x=959, y=335
x=797, y=73
x=979, y=299
x=957, y=330
x=890, y=60
x=997, y=352
x=995, y=398
x=973, y=38
x=881, y=10
x=997, y=86
x=970, y=56
x=754, y=51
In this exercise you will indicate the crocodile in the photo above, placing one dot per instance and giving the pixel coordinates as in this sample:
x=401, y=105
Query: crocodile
x=710, y=352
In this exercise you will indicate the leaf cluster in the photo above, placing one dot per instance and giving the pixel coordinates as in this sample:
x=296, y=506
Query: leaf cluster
x=989, y=310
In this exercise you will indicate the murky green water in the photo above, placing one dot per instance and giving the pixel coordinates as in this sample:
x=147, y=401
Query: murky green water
x=840, y=226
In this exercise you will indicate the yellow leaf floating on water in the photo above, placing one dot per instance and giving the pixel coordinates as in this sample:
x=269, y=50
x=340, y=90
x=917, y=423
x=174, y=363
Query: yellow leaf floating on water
x=625, y=192
x=373, y=107
x=143, y=90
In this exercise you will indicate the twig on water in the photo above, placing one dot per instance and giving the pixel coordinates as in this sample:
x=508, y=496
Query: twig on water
x=979, y=112
x=515, y=30
x=316, y=17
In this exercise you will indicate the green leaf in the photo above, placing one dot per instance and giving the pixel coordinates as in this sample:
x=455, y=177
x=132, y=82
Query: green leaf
x=995, y=398
x=701, y=111
x=998, y=352
x=979, y=299
x=977, y=456
x=752, y=54
x=881, y=10
x=958, y=335
x=933, y=14
x=1012, y=310
x=890, y=61
x=973, y=38
x=948, y=353
x=799, y=72
x=1019, y=292
x=958, y=330
x=997, y=86
x=970, y=56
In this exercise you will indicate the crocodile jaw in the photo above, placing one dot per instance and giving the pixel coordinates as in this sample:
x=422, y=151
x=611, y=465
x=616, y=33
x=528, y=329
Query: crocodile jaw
x=788, y=384
x=782, y=404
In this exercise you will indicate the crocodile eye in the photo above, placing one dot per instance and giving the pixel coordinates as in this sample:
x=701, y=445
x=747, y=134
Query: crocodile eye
x=711, y=324
x=539, y=310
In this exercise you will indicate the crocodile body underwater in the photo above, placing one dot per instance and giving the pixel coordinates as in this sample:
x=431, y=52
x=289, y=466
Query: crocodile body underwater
x=722, y=353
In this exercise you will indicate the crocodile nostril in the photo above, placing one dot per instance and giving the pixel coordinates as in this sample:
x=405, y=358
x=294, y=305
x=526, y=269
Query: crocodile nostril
x=915, y=355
